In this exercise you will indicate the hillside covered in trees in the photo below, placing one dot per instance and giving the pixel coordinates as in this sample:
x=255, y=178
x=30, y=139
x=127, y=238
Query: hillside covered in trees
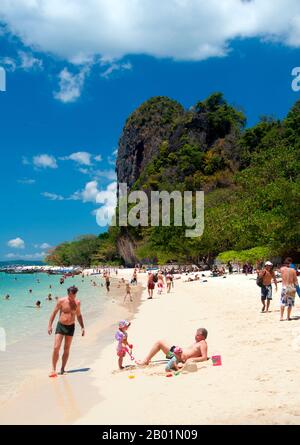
x=251, y=179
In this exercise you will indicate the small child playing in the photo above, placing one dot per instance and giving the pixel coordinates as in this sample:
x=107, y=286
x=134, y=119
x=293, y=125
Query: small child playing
x=128, y=292
x=123, y=345
x=175, y=357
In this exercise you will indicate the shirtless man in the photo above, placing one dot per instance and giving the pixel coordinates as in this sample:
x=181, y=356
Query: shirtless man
x=134, y=277
x=289, y=284
x=107, y=281
x=128, y=292
x=197, y=352
x=68, y=308
x=266, y=290
x=150, y=285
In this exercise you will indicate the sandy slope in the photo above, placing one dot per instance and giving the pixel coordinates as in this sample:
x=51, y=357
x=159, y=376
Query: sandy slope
x=257, y=383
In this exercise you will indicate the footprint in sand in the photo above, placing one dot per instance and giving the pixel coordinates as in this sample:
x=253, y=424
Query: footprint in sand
x=264, y=378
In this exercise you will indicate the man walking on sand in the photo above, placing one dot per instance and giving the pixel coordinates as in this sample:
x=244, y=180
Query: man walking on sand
x=267, y=275
x=289, y=285
x=68, y=308
x=197, y=352
x=150, y=285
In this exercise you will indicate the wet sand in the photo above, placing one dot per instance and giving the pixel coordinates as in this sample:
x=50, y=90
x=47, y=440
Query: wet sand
x=62, y=400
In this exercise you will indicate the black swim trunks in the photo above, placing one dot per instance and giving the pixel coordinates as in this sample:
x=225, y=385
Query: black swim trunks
x=64, y=329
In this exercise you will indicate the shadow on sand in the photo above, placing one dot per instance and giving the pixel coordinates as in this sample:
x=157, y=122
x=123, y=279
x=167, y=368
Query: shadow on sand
x=72, y=371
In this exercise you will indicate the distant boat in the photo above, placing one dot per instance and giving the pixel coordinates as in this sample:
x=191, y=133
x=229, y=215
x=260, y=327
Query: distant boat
x=51, y=270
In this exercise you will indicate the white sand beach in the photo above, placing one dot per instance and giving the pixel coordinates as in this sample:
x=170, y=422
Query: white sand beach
x=256, y=384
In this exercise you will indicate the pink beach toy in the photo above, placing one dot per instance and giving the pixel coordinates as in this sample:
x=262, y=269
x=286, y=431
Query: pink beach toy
x=130, y=353
x=217, y=360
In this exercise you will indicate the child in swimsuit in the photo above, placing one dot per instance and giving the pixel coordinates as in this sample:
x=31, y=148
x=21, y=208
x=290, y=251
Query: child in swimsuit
x=123, y=345
x=175, y=357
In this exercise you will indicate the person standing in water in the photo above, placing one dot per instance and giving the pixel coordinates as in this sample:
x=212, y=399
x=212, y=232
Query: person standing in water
x=68, y=308
x=107, y=281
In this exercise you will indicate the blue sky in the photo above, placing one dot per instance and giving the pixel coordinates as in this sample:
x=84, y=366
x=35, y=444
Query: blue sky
x=63, y=112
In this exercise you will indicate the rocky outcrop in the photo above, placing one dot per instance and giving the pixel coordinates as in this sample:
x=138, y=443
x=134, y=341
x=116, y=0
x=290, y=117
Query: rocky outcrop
x=144, y=131
x=164, y=147
x=126, y=248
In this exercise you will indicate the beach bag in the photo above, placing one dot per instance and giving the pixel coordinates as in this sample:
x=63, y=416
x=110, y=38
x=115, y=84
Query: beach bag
x=290, y=290
x=260, y=280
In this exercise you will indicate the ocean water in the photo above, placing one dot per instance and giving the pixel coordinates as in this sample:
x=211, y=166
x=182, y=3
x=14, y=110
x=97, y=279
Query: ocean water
x=19, y=317
x=24, y=340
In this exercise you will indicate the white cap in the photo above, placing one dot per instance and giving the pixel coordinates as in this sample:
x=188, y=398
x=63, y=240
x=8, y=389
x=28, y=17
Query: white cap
x=268, y=263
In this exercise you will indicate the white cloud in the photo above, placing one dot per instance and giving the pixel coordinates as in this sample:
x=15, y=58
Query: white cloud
x=112, y=159
x=29, y=256
x=89, y=193
x=44, y=161
x=107, y=198
x=8, y=63
x=28, y=61
x=25, y=161
x=43, y=246
x=81, y=157
x=53, y=196
x=115, y=67
x=84, y=171
x=92, y=194
x=27, y=181
x=98, y=158
x=24, y=60
x=179, y=29
x=16, y=243
x=95, y=174
x=107, y=174
x=71, y=85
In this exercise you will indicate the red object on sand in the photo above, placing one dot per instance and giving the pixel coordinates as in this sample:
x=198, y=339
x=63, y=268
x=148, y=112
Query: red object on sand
x=217, y=360
x=169, y=375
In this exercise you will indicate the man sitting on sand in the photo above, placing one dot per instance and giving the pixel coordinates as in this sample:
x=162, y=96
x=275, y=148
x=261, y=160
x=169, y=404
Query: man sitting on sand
x=197, y=352
x=69, y=308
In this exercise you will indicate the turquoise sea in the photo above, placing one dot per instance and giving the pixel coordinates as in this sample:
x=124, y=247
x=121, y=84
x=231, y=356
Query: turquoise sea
x=28, y=344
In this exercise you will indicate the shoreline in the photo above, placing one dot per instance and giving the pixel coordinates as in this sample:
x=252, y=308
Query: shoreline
x=71, y=395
